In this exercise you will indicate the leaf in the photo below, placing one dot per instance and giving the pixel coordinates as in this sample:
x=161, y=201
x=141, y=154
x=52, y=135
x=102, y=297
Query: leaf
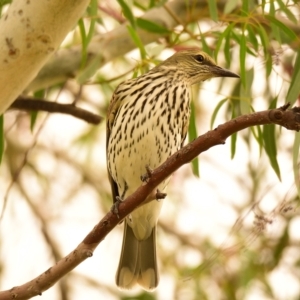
x=294, y=89
x=245, y=7
x=290, y=33
x=84, y=42
x=245, y=92
x=87, y=37
x=230, y=6
x=92, y=10
x=233, y=137
x=296, y=148
x=34, y=114
x=215, y=112
x=270, y=147
x=135, y=37
x=192, y=134
x=213, y=10
x=151, y=27
x=205, y=46
x=258, y=136
x=288, y=13
x=275, y=30
x=243, y=59
x=220, y=39
x=1, y=137
x=33, y=118
x=265, y=42
x=127, y=13
x=89, y=70
x=227, y=48
x=252, y=37
x=269, y=138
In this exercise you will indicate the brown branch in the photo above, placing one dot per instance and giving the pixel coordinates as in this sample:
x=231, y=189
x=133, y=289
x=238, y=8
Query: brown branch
x=35, y=104
x=281, y=116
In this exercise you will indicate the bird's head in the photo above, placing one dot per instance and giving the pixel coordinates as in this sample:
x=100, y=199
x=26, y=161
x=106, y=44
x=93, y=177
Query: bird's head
x=195, y=66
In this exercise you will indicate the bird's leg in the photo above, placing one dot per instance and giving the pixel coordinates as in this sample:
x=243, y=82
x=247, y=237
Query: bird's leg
x=115, y=207
x=145, y=177
x=160, y=195
x=119, y=199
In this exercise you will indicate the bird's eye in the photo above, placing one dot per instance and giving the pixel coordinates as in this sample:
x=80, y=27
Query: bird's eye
x=199, y=58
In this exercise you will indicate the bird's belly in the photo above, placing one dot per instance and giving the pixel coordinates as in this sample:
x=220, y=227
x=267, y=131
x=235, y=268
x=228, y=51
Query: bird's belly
x=148, y=149
x=145, y=148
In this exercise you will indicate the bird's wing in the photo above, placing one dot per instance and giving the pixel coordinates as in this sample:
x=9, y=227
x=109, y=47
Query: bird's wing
x=110, y=118
x=185, y=129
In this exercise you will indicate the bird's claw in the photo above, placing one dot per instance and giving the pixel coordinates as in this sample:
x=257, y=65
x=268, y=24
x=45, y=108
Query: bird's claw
x=115, y=207
x=145, y=177
x=160, y=195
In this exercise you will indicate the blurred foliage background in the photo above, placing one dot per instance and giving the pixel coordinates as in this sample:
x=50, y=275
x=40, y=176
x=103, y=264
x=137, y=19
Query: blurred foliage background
x=230, y=228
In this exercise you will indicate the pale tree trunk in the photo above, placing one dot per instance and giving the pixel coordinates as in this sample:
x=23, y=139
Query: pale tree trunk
x=30, y=32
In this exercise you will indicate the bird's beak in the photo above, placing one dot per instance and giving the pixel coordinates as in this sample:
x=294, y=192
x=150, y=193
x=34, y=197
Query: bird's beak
x=220, y=72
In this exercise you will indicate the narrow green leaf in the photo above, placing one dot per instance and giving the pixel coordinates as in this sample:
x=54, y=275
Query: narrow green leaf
x=252, y=37
x=205, y=46
x=89, y=70
x=152, y=27
x=280, y=247
x=270, y=147
x=227, y=47
x=33, y=118
x=294, y=89
x=215, y=112
x=34, y=114
x=245, y=92
x=269, y=137
x=87, y=37
x=245, y=7
x=84, y=43
x=289, y=32
x=1, y=137
x=230, y=6
x=275, y=29
x=288, y=13
x=192, y=134
x=258, y=135
x=265, y=43
x=220, y=39
x=243, y=59
x=233, y=145
x=137, y=41
x=264, y=38
x=127, y=13
x=213, y=10
x=296, y=149
x=233, y=137
x=92, y=10
x=236, y=37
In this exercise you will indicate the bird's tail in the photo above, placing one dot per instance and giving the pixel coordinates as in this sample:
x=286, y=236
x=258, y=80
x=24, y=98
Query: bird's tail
x=138, y=261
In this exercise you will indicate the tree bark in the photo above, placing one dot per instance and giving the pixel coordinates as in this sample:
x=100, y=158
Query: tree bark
x=30, y=32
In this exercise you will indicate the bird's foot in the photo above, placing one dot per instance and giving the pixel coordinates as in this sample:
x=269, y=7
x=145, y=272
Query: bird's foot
x=160, y=195
x=115, y=207
x=147, y=176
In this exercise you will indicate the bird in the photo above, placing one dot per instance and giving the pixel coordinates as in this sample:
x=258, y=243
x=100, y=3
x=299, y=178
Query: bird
x=147, y=122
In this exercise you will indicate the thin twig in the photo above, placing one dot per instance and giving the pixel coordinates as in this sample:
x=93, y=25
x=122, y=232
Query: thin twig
x=35, y=104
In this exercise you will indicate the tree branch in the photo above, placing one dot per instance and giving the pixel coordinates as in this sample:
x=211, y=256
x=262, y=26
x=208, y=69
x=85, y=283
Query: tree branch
x=35, y=104
x=30, y=32
x=289, y=119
